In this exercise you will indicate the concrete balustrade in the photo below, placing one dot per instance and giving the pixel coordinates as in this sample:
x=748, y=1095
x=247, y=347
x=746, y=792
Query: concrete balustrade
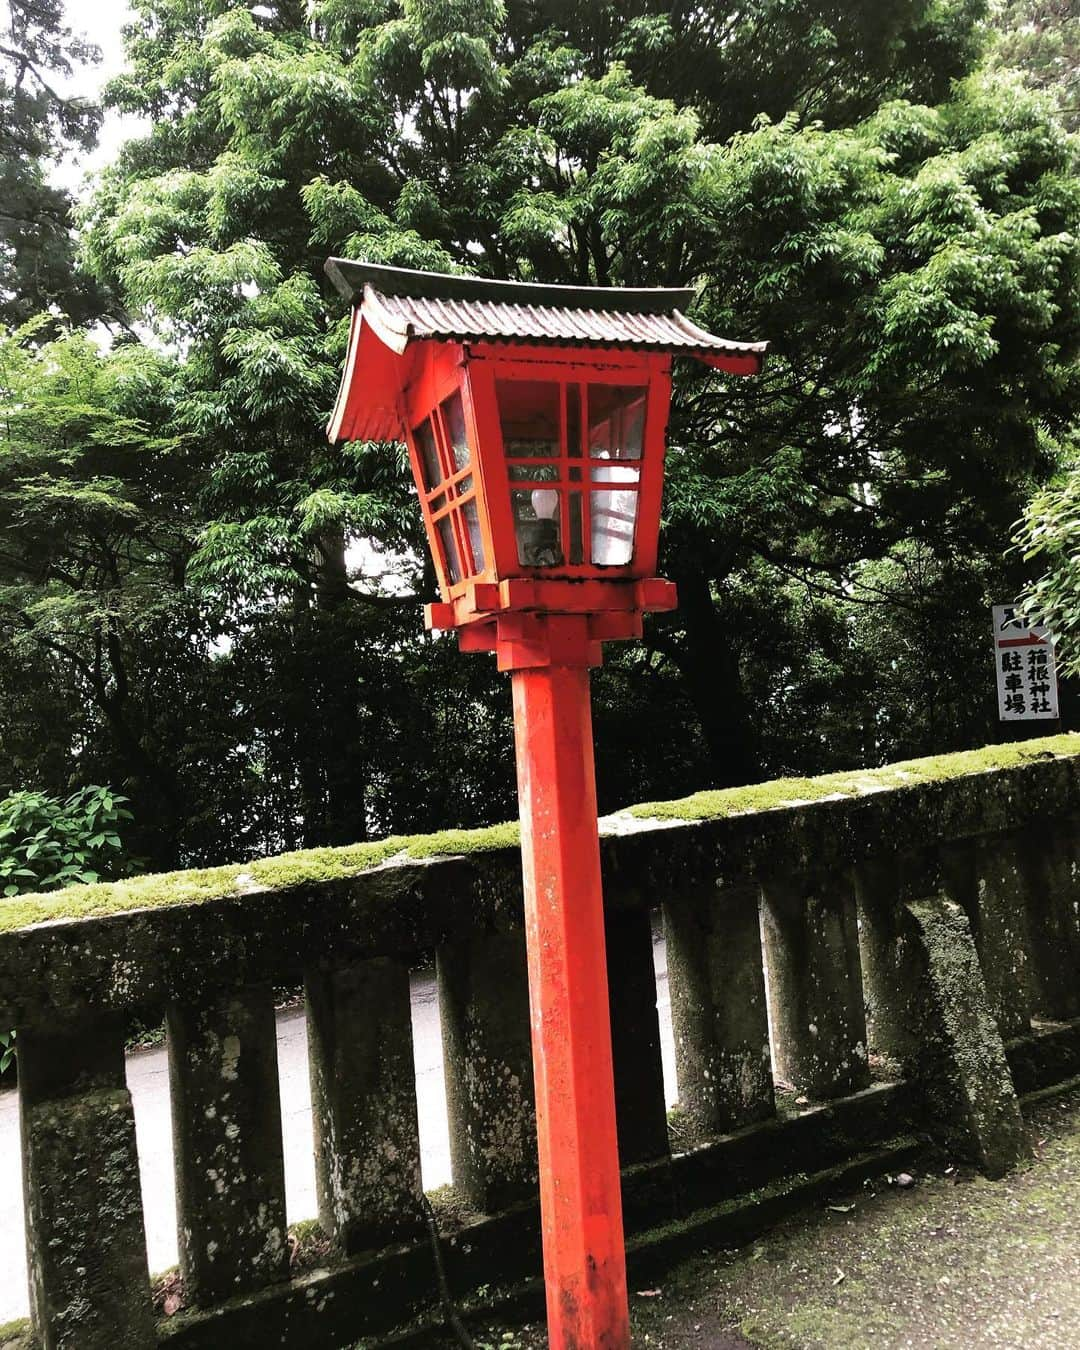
x=363, y=1099
x=89, y=1286
x=230, y=1174
x=907, y=924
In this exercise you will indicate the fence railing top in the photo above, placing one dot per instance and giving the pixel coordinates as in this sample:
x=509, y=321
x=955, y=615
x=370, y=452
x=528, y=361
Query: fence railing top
x=132, y=942
x=779, y=793
x=313, y=867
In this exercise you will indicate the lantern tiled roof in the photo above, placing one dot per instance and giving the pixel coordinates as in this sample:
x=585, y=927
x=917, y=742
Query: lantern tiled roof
x=417, y=305
x=399, y=306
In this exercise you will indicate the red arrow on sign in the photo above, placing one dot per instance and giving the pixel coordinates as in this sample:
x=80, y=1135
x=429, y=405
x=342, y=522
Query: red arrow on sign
x=1030, y=641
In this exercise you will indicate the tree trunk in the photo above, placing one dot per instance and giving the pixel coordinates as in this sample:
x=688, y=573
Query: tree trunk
x=151, y=783
x=337, y=669
x=709, y=662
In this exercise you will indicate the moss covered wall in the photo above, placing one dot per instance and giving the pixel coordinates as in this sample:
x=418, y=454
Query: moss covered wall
x=130, y=943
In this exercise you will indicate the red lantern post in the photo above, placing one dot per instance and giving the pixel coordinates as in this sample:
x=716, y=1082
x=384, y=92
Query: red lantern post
x=535, y=418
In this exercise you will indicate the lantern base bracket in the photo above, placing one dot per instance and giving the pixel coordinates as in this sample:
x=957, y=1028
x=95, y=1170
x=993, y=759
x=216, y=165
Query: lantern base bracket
x=536, y=641
x=516, y=618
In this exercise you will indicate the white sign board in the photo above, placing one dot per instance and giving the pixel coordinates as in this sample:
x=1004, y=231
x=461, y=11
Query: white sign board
x=1026, y=676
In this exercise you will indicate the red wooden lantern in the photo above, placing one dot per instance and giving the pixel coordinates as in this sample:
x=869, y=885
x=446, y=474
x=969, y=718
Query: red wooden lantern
x=535, y=418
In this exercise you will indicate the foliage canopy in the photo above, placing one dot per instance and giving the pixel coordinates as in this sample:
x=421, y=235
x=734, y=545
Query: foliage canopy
x=846, y=180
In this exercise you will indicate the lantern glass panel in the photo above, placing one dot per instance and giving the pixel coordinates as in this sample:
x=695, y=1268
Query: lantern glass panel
x=476, y=542
x=450, y=554
x=449, y=490
x=562, y=439
x=454, y=417
x=616, y=432
x=616, y=421
x=429, y=453
x=537, y=526
x=530, y=418
x=613, y=519
x=534, y=473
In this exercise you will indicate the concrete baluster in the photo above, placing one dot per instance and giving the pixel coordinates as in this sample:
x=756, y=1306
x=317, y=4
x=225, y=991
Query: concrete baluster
x=640, y=1110
x=891, y=969
x=363, y=1097
x=1051, y=861
x=484, y=1006
x=971, y=1103
x=815, y=984
x=230, y=1179
x=888, y=983
x=716, y=981
x=986, y=878
x=85, y=1238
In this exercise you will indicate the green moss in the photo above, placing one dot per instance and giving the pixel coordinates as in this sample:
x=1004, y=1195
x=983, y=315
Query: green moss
x=784, y=792
x=305, y=868
x=452, y=1211
x=15, y=1334
x=313, y=866
x=309, y=1245
x=449, y=842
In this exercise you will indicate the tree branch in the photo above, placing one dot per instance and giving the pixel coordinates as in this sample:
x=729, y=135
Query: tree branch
x=27, y=63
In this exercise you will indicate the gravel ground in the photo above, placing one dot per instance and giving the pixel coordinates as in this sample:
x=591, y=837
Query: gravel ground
x=954, y=1261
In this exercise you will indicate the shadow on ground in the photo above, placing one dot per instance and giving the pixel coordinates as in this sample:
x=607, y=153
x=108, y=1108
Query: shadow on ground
x=953, y=1261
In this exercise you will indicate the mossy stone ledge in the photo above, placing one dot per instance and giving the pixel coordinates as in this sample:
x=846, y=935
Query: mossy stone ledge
x=313, y=867
x=133, y=944
x=929, y=855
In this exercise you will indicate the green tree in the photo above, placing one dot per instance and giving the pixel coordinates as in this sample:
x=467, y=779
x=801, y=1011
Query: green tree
x=96, y=523
x=914, y=263
x=918, y=273
x=116, y=664
x=47, y=844
x=39, y=125
x=1048, y=539
x=1042, y=38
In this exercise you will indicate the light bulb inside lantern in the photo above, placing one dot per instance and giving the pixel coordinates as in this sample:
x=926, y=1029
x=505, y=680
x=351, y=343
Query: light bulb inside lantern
x=545, y=502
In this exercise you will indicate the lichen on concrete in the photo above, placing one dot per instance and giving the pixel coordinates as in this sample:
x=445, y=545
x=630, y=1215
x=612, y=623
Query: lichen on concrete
x=484, y=1007
x=785, y=792
x=308, y=867
x=86, y=1242
x=962, y=1059
x=312, y=867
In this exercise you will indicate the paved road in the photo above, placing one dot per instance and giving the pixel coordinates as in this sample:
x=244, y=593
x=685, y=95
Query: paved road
x=148, y=1079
